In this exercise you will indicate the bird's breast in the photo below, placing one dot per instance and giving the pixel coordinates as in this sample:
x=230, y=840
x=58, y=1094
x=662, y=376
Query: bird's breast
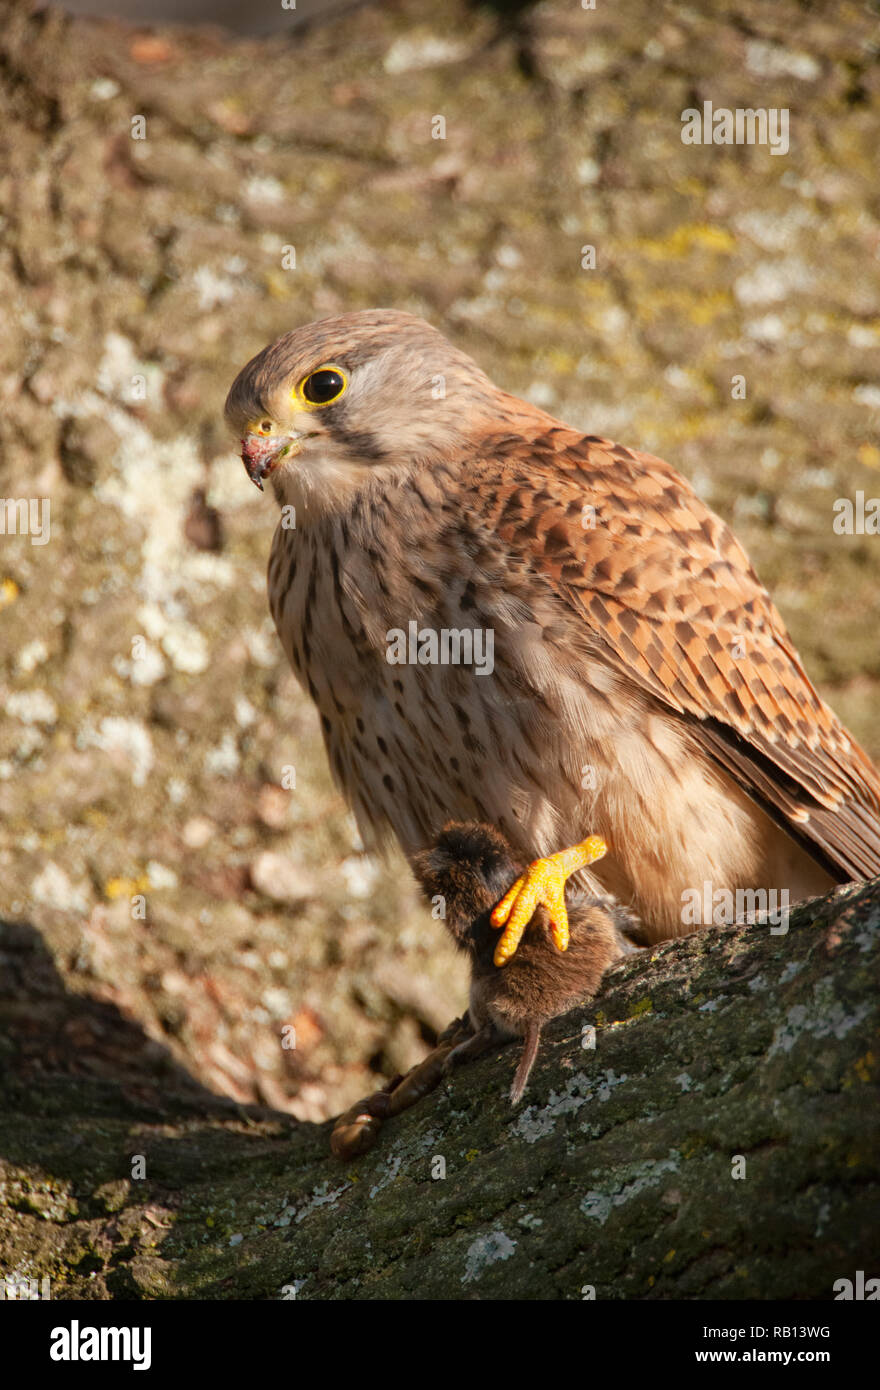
x=441, y=695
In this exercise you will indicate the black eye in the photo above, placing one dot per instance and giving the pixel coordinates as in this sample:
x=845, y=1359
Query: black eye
x=323, y=386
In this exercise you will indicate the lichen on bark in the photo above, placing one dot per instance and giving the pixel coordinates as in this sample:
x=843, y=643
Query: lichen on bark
x=720, y=1141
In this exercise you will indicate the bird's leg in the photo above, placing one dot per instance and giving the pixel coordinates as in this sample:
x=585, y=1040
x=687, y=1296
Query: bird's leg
x=542, y=885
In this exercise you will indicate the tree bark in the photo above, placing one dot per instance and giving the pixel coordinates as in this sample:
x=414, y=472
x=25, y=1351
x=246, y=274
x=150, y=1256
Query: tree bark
x=719, y=1141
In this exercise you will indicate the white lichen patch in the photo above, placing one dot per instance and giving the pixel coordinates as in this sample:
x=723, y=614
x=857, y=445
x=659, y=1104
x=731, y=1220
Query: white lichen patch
x=360, y=874
x=395, y=1163
x=230, y=488
x=147, y=669
x=278, y=1002
x=211, y=288
x=769, y=329
x=119, y=371
x=416, y=52
x=262, y=644
x=535, y=1122
x=766, y=59
x=32, y=707
x=126, y=740
x=152, y=484
x=599, y=1205
x=794, y=967
x=606, y=1084
x=486, y=1251
x=31, y=655
x=771, y=281
x=323, y=1196
x=224, y=760
x=245, y=713
x=52, y=888
x=825, y=1018
x=775, y=231
x=429, y=1143
x=262, y=188
x=868, y=935
x=823, y=1216
x=186, y=648
x=867, y=395
x=181, y=641
x=587, y=172
x=208, y=572
x=104, y=89
x=160, y=876
x=177, y=789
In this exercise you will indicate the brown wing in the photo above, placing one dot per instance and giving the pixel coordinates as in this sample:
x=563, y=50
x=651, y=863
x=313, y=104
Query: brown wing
x=674, y=603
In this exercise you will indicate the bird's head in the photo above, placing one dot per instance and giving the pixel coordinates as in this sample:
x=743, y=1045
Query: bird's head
x=322, y=408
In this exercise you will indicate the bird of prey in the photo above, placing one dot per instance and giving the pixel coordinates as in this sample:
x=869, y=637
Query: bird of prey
x=503, y=619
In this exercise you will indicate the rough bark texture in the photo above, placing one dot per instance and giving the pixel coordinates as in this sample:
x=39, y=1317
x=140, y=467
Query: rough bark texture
x=616, y=1172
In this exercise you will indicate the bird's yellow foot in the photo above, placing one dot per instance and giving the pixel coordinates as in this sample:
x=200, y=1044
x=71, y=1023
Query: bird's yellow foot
x=542, y=884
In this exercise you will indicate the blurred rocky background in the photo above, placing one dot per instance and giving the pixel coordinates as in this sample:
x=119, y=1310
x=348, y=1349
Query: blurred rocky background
x=149, y=715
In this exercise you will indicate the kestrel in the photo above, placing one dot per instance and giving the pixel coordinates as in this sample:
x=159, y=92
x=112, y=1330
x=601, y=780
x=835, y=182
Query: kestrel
x=503, y=619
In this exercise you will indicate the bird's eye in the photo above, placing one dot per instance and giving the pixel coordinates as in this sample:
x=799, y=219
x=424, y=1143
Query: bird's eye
x=323, y=386
x=265, y=427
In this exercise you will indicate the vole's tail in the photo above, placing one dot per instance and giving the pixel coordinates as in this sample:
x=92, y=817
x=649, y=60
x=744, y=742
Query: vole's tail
x=526, y=1062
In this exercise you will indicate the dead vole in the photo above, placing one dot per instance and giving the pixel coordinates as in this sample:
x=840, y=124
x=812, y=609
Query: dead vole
x=470, y=866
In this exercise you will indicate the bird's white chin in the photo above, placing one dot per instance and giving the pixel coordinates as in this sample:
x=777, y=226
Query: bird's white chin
x=319, y=479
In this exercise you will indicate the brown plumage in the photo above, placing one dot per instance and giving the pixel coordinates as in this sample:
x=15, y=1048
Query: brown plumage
x=469, y=867
x=642, y=687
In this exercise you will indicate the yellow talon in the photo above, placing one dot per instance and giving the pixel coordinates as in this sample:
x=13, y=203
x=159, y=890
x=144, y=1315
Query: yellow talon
x=542, y=884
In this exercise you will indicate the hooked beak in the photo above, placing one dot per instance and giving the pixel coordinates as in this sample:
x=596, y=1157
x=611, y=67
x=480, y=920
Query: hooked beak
x=261, y=453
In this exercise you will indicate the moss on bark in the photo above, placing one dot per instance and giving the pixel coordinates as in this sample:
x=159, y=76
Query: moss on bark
x=720, y=1141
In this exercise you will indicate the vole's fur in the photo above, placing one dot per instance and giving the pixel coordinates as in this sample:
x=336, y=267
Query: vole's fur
x=471, y=866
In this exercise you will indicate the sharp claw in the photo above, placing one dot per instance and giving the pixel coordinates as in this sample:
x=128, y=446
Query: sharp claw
x=502, y=910
x=560, y=936
x=503, y=952
x=543, y=883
